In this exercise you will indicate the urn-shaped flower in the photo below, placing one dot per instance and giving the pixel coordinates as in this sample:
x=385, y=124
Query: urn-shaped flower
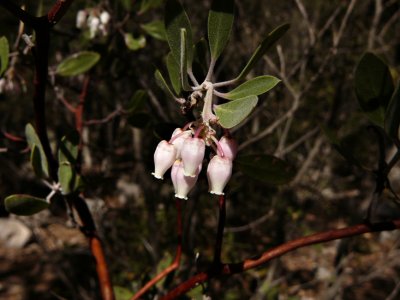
x=192, y=155
x=178, y=138
x=164, y=157
x=219, y=172
x=229, y=147
x=182, y=184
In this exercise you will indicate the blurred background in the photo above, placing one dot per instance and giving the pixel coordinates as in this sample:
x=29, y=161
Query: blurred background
x=126, y=114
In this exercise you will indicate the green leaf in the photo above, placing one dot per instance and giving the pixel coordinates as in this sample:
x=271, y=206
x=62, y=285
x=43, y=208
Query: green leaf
x=232, y=113
x=137, y=101
x=145, y=5
x=156, y=29
x=183, y=62
x=220, y=20
x=38, y=157
x=78, y=63
x=163, y=84
x=374, y=87
x=4, y=54
x=174, y=73
x=122, y=293
x=271, y=38
x=24, y=205
x=256, y=86
x=67, y=158
x=392, y=114
x=133, y=43
x=175, y=19
x=266, y=168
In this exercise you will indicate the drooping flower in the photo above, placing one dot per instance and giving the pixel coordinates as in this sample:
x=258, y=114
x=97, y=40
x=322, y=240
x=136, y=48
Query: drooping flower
x=192, y=155
x=219, y=172
x=164, y=157
x=229, y=147
x=182, y=184
x=178, y=138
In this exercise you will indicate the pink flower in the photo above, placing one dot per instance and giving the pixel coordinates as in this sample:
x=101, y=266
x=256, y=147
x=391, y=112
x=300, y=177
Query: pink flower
x=164, y=157
x=182, y=184
x=178, y=138
x=219, y=172
x=229, y=147
x=192, y=155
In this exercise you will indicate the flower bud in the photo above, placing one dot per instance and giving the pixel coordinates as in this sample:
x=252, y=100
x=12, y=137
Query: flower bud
x=219, y=172
x=229, y=146
x=178, y=141
x=105, y=17
x=192, y=155
x=164, y=157
x=81, y=19
x=93, y=23
x=182, y=184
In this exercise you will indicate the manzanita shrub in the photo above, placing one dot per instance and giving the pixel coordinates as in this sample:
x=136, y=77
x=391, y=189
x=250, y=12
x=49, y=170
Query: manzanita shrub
x=213, y=106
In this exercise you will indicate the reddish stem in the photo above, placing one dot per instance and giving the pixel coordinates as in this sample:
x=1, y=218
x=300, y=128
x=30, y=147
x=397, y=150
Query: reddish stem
x=175, y=263
x=233, y=268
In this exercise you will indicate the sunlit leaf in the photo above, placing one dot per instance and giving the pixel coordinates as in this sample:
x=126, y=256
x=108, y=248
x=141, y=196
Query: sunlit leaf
x=134, y=43
x=220, y=20
x=270, y=40
x=266, y=168
x=256, y=86
x=232, y=113
x=24, y=205
x=163, y=84
x=38, y=157
x=392, y=114
x=174, y=73
x=78, y=63
x=374, y=87
x=4, y=54
x=183, y=61
x=67, y=158
x=156, y=29
x=175, y=19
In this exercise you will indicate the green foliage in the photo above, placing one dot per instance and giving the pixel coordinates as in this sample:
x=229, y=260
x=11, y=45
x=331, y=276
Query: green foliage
x=232, y=113
x=78, y=63
x=163, y=84
x=374, y=87
x=183, y=61
x=255, y=86
x=267, y=43
x=174, y=73
x=266, y=168
x=122, y=293
x=392, y=114
x=38, y=158
x=156, y=29
x=24, y=205
x=134, y=44
x=67, y=158
x=137, y=101
x=175, y=19
x=4, y=54
x=220, y=20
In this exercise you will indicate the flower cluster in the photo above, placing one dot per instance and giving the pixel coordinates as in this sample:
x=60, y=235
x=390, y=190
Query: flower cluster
x=96, y=21
x=185, y=154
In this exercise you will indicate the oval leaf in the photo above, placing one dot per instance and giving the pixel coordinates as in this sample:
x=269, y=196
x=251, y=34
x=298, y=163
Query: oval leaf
x=232, y=113
x=38, y=157
x=4, y=54
x=156, y=29
x=266, y=168
x=78, y=63
x=174, y=73
x=220, y=20
x=374, y=87
x=271, y=38
x=25, y=205
x=175, y=19
x=163, y=84
x=183, y=61
x=256, y=86
x=392, y=114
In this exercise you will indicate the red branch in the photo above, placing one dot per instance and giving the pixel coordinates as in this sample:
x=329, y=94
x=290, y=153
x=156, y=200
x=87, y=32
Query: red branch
x=175, y=263
x=233, y=268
